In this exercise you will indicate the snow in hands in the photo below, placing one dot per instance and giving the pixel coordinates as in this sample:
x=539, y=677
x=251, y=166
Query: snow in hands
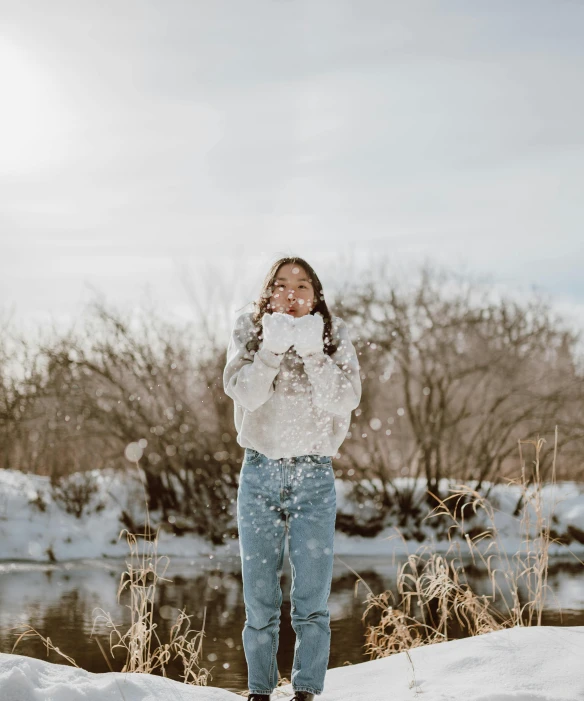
x=282, y=331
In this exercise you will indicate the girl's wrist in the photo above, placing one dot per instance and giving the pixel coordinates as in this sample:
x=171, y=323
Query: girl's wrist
x=269, y=357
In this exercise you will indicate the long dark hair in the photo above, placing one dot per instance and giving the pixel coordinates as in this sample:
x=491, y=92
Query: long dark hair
x=261, y=304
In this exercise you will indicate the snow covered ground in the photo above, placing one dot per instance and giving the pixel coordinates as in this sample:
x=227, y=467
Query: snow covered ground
x=28, y=533
x=516, y=664
x=521, y=663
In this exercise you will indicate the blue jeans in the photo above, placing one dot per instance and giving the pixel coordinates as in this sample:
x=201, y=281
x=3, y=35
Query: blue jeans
x=294, y=496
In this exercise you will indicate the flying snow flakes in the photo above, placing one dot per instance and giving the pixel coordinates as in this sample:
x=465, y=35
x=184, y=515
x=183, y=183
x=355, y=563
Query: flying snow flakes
x=34, y=549
x=133, y=452
x=166, y=612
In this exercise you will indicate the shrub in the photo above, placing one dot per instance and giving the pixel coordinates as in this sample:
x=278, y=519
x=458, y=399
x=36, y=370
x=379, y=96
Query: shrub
x=76, y=493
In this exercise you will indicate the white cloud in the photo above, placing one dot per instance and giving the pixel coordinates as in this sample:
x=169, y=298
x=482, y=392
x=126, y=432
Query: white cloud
x=450, y=131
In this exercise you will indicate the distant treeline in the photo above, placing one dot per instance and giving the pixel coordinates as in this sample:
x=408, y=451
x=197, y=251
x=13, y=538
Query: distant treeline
x=452, y=379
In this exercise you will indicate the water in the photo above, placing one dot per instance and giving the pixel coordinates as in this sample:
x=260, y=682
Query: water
x=60, y=601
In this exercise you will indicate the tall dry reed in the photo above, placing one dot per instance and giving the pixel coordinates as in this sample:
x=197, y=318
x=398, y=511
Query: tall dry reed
x=433, y=590
x=145, y=652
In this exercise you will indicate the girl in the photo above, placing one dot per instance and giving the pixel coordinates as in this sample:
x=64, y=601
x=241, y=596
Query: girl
x=293, y=375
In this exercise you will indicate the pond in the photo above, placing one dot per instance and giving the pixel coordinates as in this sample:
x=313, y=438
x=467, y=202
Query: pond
x=59, y=601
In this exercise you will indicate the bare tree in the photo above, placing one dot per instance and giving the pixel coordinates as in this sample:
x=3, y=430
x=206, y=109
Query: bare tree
x=465, y=377
x=139, y=378
x=452, y=378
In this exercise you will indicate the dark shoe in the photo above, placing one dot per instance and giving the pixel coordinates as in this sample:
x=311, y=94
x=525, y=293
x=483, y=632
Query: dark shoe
x=258, y=697
x=303, y=696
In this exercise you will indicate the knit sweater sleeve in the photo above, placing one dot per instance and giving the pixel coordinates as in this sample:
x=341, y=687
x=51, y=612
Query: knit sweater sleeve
x=335, y=379
x=249, y=378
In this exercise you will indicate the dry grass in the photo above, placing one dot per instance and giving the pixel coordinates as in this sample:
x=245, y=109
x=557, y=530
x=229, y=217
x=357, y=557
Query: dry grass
x=434, y=593
x=30, y=632
x=145, y=652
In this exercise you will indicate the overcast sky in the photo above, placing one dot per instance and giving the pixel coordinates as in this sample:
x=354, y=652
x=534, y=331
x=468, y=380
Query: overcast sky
x=141, y=138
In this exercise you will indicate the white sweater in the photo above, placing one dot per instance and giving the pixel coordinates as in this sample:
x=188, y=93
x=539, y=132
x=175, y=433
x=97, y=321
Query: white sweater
x=286, y=406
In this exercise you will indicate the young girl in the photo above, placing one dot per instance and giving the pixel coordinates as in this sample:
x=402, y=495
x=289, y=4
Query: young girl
x=293, y=375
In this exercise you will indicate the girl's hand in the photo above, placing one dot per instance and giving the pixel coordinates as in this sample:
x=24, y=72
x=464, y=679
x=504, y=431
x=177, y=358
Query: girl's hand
x=308, y=331
x=278, y=332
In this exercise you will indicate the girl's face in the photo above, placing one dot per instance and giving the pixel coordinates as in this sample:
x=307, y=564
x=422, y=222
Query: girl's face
x=292, y=292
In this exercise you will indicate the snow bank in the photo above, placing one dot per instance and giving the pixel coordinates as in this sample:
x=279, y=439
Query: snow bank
x=29, y=533
x=517, y=664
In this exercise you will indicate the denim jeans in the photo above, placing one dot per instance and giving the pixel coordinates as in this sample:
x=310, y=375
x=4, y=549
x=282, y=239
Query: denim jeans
x=293, y=496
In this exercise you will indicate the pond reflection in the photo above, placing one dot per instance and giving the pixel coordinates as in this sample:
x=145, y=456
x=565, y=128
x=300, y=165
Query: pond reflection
x=60, y=601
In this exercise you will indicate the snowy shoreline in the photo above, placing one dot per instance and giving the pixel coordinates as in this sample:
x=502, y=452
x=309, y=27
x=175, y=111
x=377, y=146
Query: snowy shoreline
x=29, y=534
x=531, y=664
